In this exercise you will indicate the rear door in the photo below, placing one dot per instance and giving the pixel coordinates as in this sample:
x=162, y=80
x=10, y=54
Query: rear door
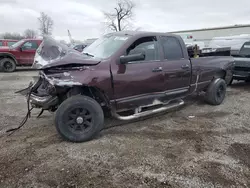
x=138, y=82
x=28, y=52
x=176, y=68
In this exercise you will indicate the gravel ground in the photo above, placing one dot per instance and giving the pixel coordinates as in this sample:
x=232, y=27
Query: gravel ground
x=197, y=146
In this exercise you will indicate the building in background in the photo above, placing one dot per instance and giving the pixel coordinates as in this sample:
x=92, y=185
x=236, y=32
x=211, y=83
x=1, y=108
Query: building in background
x=204, y=36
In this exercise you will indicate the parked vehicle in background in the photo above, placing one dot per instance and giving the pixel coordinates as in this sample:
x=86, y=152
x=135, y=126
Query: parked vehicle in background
x=237, y=46
x=241, y=69
x=125, y=74
x=80, y=47
x=234, y=42
x=7, y=42
x=21, y=53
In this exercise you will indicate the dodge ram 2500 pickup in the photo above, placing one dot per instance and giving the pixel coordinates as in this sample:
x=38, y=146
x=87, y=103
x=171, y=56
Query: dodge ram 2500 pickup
x=125, y=74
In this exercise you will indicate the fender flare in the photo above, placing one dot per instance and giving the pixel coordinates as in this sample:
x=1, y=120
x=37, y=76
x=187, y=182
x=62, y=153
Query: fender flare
x=6, y=54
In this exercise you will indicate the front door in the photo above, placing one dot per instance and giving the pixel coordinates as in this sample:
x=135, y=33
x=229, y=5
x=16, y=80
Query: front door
x=176, y=68
x=139, y=82
x=28, y=52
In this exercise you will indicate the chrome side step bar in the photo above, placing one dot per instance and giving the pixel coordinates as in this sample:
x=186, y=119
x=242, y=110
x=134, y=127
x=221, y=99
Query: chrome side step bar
x=166, y=107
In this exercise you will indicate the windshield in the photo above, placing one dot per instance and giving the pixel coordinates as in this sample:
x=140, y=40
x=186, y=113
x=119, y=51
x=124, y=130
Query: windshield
x=17, y=44
x=105, y=46
x=245, y=50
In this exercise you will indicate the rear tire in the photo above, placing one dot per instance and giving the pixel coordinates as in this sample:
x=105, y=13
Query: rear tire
x=216, y=92
x=7, y=65
x=79, y=118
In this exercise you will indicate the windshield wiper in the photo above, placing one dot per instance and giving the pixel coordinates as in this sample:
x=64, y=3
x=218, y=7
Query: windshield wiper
x=85, y=53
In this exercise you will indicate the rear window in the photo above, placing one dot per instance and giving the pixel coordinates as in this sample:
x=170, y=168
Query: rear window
x=172, y=48
x=10, y=43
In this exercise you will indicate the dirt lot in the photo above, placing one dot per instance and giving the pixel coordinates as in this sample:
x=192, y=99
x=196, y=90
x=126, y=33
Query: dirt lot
x=197, y=146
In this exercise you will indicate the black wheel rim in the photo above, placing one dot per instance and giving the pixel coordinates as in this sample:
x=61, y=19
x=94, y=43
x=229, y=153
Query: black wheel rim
x=79, y=120
x=8, y=66
x=220, y=91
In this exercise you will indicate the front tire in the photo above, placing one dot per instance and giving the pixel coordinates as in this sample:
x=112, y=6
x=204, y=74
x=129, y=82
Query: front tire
x=7, y=65
x=79, y=118
x=216, y=92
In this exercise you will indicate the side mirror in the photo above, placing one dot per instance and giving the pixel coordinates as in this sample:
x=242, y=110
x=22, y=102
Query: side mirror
x=132, y=57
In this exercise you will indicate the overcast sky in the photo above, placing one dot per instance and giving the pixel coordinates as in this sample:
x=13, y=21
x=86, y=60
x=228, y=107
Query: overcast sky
x=84, y=18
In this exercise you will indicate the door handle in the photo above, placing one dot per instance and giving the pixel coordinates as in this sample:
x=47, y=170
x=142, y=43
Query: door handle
x=185, y=66
x=158, y=69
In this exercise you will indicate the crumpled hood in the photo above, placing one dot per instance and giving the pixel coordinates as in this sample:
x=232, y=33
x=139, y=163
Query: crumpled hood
x=53, y=54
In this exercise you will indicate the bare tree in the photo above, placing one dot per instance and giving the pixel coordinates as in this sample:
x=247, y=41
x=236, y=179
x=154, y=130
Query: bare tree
x=46, y=24
x=29, y=33
x=16, y=36
x=118, y=20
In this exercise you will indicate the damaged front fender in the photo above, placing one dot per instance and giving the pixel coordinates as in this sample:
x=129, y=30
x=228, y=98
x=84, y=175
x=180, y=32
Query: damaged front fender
x=64, y=79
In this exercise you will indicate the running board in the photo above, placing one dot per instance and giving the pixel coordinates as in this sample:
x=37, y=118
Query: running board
x=149, y=112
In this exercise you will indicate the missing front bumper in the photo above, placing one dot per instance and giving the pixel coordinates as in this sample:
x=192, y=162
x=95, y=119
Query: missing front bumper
x=44, y=102
x=38, y=94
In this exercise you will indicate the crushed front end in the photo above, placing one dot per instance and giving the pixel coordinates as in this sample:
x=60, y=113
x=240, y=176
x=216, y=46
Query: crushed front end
x=60, y=69
x=42, y=94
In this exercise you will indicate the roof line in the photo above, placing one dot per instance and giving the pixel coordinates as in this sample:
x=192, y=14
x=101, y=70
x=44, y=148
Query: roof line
x=212, y=28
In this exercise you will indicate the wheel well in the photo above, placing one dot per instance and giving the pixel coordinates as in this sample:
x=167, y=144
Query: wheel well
x=92, y=92
x=8, y=56
x=220, y=74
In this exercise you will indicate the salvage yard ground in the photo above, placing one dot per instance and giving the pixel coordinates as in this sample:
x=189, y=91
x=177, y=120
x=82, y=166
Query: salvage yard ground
x=198, y=146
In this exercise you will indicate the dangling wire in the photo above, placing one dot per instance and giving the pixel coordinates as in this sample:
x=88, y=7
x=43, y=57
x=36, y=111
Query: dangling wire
x=40, y=113
x=25, y=118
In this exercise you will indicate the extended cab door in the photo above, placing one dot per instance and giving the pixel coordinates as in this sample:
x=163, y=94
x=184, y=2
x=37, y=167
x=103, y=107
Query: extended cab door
x=28, y=51
x=176, y=67
x=138, y=82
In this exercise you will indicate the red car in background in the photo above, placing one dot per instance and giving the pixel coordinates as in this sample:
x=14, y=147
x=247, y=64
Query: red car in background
x=7, y=42
x=21, y=53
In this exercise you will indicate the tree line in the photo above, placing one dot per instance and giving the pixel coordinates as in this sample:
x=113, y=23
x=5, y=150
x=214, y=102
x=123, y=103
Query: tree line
x=117, y=19
x=45, y=28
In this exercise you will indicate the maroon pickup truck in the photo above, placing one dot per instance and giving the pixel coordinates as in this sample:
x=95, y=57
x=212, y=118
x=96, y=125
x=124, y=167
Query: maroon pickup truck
x=127, y=75
x=21, y=53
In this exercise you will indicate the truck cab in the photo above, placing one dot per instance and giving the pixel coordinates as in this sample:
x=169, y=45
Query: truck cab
x=21, y=53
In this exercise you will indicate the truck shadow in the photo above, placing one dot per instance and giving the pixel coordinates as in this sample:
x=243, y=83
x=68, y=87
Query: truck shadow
x=241, y=85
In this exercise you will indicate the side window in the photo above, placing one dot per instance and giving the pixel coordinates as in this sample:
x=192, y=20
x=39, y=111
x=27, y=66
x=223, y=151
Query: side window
x=172, y=48
x=1, y=43
x=11, y=43
x=30, y=45
x=148, y=45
